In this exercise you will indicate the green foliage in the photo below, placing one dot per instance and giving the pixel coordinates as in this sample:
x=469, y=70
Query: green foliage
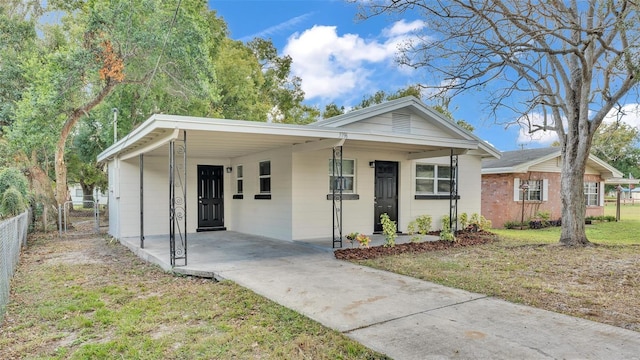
x=446, y=233
x=389, y=229
x=331, y=110
x=419, y=227
x=480, y=222
x=363, y=240
x=617, y=144
x=513, y=224
x=464, y=220
x=13, y=178
x=352, y=237
x=13, y=202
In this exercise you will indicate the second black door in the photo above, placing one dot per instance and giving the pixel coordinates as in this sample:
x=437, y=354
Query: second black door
x=386, y=192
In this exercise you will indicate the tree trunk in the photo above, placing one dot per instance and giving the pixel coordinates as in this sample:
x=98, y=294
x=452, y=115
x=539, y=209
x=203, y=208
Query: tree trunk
x=574, y=160
x=62, y=189
x=87, y=195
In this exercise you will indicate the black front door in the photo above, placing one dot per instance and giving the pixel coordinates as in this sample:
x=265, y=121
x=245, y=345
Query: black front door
x=210, y=198
x=386, y=194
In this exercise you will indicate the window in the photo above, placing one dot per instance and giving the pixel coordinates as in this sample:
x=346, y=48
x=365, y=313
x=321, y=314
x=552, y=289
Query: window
x=433, y=179
x=265, y=177
x=537, y=190
x=591, y=193
x=348, y=176
x=79, y=193
x=239, y=179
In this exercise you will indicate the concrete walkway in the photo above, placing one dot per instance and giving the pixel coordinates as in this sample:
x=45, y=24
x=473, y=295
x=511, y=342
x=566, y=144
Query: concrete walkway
x=399, y=316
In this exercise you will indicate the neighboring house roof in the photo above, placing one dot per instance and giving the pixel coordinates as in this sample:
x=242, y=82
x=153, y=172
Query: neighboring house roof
x=520, y=161
x=232, y=138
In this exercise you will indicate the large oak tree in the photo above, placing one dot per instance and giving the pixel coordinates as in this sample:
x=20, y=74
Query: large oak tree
x=570, y=62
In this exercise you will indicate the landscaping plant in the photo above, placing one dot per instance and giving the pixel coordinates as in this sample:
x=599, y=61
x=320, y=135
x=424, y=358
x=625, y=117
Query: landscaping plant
x=389, y=229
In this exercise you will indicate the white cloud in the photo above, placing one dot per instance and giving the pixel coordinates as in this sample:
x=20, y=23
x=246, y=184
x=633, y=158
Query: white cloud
x=332, y=65
x=283, y=26
x=400, y=28
x=545, y=138
x=630, y=115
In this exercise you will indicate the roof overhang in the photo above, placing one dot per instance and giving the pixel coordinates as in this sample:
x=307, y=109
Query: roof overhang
x=221, y=138
x=606, y=171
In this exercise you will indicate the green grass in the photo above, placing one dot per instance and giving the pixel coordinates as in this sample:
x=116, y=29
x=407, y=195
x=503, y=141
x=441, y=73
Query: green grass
x=623, y=232
x=89, y=299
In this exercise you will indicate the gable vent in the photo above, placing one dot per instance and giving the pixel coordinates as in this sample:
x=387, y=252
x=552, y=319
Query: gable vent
x=401, y=123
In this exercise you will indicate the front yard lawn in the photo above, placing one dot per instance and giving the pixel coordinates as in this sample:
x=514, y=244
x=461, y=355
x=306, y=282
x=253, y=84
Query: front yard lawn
x=601, y=283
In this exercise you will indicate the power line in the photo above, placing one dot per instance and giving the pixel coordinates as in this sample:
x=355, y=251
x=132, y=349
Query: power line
x=164, y=45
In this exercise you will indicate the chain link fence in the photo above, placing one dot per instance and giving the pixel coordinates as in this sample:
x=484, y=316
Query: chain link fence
x=13, y=235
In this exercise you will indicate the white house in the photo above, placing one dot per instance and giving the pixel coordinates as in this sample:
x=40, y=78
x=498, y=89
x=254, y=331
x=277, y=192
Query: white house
x=179, y=174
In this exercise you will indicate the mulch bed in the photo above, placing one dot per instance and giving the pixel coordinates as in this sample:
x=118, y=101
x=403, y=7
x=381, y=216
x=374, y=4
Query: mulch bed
x=463, y=238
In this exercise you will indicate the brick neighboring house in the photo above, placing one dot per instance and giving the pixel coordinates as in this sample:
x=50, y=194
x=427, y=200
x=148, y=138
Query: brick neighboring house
x=501, y=197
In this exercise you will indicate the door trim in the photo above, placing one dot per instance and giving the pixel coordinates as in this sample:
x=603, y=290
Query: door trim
x=220, y=170
x=377, y=227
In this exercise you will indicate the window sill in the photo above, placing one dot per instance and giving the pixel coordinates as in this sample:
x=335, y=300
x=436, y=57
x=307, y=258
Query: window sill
x=238, y=196
x=435, y=197
x=262, y=197
x=344, y=197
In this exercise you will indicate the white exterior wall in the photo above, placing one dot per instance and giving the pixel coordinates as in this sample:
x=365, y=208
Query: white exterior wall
x=312, y=212
x=125, y=208
x=469, y=183
x=383, y=124
x=271, y=218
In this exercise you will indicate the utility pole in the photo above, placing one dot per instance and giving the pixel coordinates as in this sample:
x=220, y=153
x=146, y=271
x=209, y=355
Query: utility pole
x=115, y=124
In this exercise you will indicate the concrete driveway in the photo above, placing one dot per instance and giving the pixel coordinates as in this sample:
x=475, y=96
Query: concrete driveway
x=400, y=316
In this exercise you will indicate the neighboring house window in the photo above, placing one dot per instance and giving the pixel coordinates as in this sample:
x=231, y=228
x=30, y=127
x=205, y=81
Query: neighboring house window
x=79, y=193
x=591, y=193
x=537, y=190
x=239, y=180
x=348, y=176
x=433, y=179
x=265, y=177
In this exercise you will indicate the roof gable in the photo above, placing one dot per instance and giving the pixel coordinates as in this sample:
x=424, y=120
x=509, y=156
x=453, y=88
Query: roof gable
x=521, y=161
x=407, y=115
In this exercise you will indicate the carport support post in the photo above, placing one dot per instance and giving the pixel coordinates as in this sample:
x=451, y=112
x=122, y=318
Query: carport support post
x=337, y=186
x=141, y=157
x=178, y=202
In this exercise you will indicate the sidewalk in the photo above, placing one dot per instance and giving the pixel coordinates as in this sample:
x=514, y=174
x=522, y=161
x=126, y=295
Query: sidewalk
x=402, y=317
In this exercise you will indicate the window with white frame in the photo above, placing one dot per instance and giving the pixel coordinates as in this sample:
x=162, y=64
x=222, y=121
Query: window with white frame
x=591, y=193
x=265, y=177
x=530, y=190
x=433, y=179
x=239, y=179
x=348, y=181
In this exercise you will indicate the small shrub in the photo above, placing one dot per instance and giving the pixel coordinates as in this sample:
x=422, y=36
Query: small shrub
x=363, y=240
x=535, y=224
x=389, y=229
x=512, y=224
x=352, y=237
x=479, y=222
x=12, y=202
x=12, y=177
x=543, y=217
x=446, y=233
x=464, y=220
x=419, y=227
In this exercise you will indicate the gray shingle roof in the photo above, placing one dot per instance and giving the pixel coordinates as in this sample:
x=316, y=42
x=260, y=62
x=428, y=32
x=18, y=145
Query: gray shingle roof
x=518, y=157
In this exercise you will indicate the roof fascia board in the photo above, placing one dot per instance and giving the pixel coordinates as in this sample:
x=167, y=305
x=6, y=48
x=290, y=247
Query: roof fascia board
x=318, y=145
x=614, y=173
x=154, y=145
x=436, y=153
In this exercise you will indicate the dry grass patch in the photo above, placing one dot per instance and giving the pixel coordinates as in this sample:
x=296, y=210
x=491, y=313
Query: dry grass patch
x=87, y=297
x=600, y=283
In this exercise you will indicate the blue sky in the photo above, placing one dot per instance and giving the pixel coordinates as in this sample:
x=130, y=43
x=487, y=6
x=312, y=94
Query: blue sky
x=341, y=59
